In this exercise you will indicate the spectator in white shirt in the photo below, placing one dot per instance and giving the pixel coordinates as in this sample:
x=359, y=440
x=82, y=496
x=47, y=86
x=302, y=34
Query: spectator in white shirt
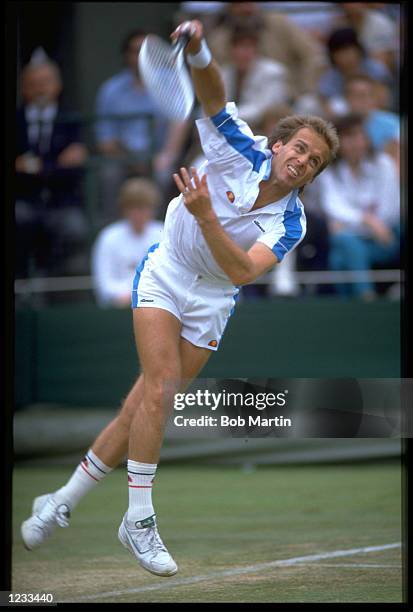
x=360, y=196
x=255, y=83
x=122, y=245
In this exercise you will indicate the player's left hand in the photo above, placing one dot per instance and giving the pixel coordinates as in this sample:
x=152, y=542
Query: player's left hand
x=195, y=193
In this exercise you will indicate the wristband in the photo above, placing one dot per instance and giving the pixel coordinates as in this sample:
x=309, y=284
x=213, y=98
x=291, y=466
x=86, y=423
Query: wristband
x=201, y=59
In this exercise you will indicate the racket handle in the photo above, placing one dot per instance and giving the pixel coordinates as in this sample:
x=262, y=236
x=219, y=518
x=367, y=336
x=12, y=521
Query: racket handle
x=181, y=42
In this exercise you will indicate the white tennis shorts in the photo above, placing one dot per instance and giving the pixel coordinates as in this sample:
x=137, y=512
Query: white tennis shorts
x=203, y=305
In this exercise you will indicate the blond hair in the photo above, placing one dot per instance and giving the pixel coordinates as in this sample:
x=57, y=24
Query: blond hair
x=287, y=127
x=138, y=193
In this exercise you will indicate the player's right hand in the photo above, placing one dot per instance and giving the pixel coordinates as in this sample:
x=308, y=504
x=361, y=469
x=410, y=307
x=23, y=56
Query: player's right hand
x=195, y=194
x=195, y=30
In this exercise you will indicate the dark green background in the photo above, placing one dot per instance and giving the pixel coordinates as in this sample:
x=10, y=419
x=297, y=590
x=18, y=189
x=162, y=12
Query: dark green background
x=85, y=39
x=81, y=355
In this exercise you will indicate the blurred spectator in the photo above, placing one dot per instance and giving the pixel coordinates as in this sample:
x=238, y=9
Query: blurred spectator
x=206, y=12
x=254, y=82
x=376, y=31
x=282, y=280
x=271, y=116
x=365, y=96
x=50, y=222
x=121, y=246
x=360, y=195
x=312, y=252
x=280, y=40
x=118, y=139
x=314, y=18
x=347, y=58
x=383, y=127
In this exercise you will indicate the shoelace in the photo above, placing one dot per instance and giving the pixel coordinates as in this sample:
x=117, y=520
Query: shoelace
x=63, y=515
x=42, y=526
x=154, y=540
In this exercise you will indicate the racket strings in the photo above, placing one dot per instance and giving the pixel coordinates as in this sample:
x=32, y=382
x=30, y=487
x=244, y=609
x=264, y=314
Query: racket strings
x=166, y=78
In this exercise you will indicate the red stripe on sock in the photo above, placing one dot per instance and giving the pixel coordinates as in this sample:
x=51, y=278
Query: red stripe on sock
x=140, y=486
x=88, y=473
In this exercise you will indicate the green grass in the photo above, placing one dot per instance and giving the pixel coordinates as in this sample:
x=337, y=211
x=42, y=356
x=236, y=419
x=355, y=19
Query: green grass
x=215, y=519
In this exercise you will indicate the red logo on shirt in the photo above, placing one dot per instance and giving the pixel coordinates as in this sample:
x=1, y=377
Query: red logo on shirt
x=213, y=343
x=230, y=196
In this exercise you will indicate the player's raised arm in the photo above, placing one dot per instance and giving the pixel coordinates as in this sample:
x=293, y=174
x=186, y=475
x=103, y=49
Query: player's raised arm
x=206, y=76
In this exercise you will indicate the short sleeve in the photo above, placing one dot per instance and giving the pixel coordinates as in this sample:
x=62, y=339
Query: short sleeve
x=286, y=233
x=227, y=139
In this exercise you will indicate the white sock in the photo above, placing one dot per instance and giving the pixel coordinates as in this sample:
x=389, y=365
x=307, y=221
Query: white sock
x=88, y=473
x=140, y=478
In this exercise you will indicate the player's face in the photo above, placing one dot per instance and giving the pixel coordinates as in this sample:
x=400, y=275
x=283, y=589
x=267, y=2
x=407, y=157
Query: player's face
x=296, y=162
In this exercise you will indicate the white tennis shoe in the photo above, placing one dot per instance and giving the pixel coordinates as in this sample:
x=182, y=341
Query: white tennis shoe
x=144, y=542
x=46, y=515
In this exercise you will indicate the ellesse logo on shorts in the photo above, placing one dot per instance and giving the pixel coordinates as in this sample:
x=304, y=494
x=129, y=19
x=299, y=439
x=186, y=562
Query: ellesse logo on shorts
x=213, y=343
x=230, y=196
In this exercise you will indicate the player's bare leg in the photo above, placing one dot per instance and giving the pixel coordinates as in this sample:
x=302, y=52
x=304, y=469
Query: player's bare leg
x=162, y=356
x=111, y=445
x=157, y=334
x=108, y=450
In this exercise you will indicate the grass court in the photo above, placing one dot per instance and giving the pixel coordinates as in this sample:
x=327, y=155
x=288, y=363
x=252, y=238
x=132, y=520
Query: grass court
x=225, y=527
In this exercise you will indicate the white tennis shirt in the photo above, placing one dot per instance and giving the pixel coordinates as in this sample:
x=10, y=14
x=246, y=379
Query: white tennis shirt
x=237, y=161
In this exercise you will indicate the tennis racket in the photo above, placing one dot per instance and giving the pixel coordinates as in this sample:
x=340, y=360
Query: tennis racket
x=166, y=77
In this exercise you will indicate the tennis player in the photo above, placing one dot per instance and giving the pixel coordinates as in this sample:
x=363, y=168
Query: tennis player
x=233, y=220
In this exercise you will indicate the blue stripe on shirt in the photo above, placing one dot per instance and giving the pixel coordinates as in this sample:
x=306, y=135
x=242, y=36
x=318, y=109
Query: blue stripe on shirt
x=293, y=233
x=242, y=143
